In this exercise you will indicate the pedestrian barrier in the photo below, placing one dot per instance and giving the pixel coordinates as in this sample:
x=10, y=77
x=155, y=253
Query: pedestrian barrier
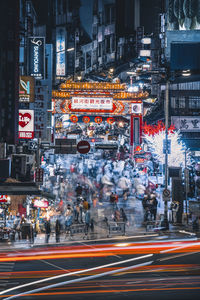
x=150, y=225
x=76, y=229
x=116, y=228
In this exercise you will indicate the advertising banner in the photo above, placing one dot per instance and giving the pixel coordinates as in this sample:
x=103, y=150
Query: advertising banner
x=60, y=52
x=26, y=124
x=26, y=89
x=186, y=124
x=36, y=57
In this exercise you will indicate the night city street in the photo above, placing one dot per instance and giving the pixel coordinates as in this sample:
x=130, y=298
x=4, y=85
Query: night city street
x=100, y=149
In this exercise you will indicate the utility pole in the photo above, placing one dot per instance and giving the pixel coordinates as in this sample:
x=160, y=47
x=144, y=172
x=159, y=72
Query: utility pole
x=186, y=186
x=166, y=222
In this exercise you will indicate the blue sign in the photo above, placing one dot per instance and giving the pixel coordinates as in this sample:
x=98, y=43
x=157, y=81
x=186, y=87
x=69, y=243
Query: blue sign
x=36, y=57
x=167, y=146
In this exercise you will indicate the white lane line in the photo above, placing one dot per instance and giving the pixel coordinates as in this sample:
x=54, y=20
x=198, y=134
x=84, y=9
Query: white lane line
x=179, y=247
x=92, y=247
x=55, y=266
x=76, y=272
x=178, y=255
x=79, y=280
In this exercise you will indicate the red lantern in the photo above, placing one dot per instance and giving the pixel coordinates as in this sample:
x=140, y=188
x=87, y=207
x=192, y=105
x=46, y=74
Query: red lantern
x=98, y=120
x=86, y=119
x=138, y=148
x=110, y=120
x=74, y=119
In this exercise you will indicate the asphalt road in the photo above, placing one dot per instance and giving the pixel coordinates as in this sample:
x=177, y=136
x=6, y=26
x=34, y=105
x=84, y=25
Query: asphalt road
x=140, y=270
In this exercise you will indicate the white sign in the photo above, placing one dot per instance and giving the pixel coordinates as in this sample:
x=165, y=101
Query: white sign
x=186, y=124
x=136, y=108
x=87, y=103
x=41, y=203
x=166, y=195
x=26, y=124
x=146, y=41
x=145, y=53
x=60, y=52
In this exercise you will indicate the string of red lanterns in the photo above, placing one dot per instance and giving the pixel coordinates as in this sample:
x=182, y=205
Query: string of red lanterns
x=86, y=119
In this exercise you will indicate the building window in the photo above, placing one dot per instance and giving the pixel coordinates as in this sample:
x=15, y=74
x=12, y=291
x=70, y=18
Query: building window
x=194, y=102
x=177, y=102
x=181, y=102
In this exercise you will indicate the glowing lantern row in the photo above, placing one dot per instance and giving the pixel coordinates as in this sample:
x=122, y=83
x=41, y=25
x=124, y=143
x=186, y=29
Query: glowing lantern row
x=86, y=119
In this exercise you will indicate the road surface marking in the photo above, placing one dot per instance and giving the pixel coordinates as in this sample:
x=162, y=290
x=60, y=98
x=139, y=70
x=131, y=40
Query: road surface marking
x=79, y=280
x=178, y=255
x=48, y=263
x=74, y=273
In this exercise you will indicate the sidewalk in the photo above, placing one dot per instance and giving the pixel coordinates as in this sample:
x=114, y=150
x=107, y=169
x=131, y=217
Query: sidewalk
x=134, y=229
x=101, y=233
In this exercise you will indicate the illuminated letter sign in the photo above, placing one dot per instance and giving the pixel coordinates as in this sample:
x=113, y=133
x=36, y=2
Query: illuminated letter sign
x=36, y=57
x=95, y=103
x=60, y=52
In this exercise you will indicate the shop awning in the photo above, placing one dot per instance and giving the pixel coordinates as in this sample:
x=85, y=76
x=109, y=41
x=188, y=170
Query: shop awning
x=23, y=188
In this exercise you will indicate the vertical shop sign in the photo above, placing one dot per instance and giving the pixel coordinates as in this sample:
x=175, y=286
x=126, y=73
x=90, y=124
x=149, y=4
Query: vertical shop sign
x=26, y=124
x=60, y=52
x=36, y=57
x=26, y=89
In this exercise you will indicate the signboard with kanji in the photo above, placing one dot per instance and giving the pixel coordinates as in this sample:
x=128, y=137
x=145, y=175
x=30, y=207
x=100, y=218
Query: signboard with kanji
x=92, y=103
x=39, y=172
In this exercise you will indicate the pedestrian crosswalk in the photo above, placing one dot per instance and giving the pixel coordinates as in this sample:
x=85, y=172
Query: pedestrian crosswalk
x=5, y=272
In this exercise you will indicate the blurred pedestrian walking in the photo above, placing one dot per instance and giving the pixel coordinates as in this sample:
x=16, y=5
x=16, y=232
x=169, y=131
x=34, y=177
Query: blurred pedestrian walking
x=57, y=230
x=47, y=230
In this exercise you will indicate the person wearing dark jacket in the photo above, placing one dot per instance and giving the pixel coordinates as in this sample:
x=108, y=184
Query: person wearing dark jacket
x=153, y=208
x=47, y=230
x=57, y=230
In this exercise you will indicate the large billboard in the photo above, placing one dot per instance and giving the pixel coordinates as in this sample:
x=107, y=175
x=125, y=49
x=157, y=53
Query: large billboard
x=26, y=124
x=26, y=89
x=183, y=14
x=60, y=52
x=36, y=57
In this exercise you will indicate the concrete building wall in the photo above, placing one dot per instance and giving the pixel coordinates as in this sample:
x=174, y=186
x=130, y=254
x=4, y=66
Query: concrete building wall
x=181, y=36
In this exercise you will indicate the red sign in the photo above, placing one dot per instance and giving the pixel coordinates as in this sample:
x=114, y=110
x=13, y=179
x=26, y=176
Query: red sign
x=83, y=147
x=26, y=124
x=3, y=198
